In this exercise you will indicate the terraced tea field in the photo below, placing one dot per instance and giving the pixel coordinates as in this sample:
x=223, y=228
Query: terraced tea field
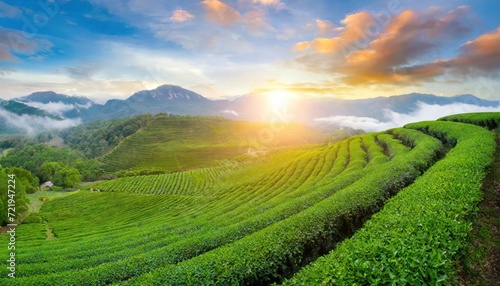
x=374, y=209
x=180, y=143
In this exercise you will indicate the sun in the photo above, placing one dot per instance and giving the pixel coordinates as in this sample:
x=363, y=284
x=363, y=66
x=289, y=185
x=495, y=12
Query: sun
x=279, y=100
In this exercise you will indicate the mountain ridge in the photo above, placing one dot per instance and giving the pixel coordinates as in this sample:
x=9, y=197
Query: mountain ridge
x=173, y=99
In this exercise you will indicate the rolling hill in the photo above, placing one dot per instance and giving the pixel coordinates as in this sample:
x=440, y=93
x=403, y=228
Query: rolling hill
x=174, y=143
x=174, y=99
x=374, y=209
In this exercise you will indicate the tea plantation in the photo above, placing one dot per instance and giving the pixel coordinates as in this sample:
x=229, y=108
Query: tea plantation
x=383, y=208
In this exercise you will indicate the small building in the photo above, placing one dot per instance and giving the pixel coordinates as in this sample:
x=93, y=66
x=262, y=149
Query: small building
x=47, y=184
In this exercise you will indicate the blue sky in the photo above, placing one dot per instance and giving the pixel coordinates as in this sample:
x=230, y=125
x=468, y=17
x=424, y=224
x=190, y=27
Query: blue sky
x=350, y=49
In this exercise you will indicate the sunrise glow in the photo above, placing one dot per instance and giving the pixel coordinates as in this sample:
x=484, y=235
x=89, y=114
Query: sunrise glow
x=279, y=100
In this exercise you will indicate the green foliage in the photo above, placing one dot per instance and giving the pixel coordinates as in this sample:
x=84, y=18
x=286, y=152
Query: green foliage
x=178, y=143
x=27, y=181
x=417, y=237
x=21, y=108
x=490, y=120
x=140, y=172
x=156, y=182
x=406, y=201
x=96, y=138
x=20, y=182
x=32, y=218
x=32, y=156
x=61, y=174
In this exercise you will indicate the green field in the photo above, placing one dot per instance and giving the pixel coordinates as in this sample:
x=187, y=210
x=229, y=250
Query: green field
x=392, y=207
x=176, y=143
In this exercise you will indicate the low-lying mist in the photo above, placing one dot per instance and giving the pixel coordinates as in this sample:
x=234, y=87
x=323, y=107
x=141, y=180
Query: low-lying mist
x=56, y=108
x=393, y=119
x=34, y=124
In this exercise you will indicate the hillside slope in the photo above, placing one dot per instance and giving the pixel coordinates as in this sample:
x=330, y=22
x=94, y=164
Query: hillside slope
x=174, y=143
x=393, y=207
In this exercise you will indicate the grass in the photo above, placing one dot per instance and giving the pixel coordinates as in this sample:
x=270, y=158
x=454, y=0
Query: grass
x=35, y=203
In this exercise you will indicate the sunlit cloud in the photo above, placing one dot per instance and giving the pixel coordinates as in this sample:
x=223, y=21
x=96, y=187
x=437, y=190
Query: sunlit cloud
x=226, y=48
x=325, y=27
x=365, y=52
x=301, y=46
x=181, y=15
x=221, y=13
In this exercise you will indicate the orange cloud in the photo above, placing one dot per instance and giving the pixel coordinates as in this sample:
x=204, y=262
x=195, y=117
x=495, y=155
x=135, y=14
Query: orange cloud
x=481, y=55
x=356, y=26
x=181, y=15
x=301, y=46
x=353, y=30
x=324, y=45
x=370, y=52
x=221, y=13
x=325, y=27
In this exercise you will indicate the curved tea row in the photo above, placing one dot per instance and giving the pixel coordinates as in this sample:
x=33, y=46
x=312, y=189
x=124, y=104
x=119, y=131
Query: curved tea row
x=260, y=222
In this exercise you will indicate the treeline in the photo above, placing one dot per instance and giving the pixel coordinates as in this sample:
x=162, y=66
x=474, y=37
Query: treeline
x=64, y=166
x=96, y=138
x=21, y=183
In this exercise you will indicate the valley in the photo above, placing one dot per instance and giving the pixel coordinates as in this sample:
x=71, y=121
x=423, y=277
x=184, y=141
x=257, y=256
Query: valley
x=304, y=212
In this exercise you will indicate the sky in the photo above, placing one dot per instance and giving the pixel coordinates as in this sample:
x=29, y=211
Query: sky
x=106, y=49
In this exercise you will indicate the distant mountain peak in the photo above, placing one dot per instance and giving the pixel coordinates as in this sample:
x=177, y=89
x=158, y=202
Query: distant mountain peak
x=50, y=96
x=167, y=92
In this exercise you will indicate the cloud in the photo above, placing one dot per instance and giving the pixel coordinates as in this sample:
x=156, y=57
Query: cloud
x=274, y=3
x=356, y=122
x=15, y=42
x=56, y=108
x=34, y=124
x=481, y=54
x=83, y=72
x=6, y=70
x=5, y=55
x=301, y=46
x=393, y=119
x=370, y=51
x=181, y=15
x=8, y=11
x=232, y=112
x=325, y=27
x=221, y=13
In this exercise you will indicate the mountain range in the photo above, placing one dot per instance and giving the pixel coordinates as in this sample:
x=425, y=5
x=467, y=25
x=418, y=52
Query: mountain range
x=177, y=100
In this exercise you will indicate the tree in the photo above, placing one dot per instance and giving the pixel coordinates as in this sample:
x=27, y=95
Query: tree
x=67, y=177
x=61, y=174
x=21, y=184
x=25, y=179
x=48, y=170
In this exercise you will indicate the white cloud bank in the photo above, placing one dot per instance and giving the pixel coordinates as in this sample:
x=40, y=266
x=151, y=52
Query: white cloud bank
x=34, y=124
x=394, y=119
x=56, y=108
x=232, y=112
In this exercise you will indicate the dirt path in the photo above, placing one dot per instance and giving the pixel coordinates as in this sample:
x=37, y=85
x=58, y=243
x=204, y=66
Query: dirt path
x=481, y=265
